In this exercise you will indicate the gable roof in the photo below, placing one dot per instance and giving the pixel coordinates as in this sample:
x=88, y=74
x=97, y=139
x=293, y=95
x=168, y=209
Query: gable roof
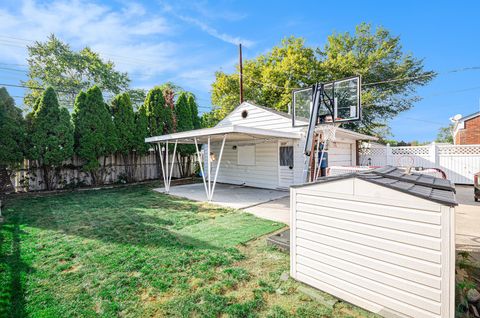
x=346, y=132
x=419, y=185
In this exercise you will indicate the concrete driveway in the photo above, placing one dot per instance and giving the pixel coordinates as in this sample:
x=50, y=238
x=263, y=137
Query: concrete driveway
x=467, y=218
x=227, y=195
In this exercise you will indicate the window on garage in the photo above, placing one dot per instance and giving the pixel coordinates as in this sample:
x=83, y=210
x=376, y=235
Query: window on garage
x=286, y=156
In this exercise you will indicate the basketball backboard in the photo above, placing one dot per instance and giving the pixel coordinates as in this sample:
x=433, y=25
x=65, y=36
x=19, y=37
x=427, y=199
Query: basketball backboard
x=340, y=103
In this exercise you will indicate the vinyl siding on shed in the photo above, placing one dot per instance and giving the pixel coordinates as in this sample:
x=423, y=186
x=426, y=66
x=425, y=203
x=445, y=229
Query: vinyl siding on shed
x=387, y=251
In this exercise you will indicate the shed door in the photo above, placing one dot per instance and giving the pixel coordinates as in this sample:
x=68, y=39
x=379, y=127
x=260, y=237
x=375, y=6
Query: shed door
x=285, y=162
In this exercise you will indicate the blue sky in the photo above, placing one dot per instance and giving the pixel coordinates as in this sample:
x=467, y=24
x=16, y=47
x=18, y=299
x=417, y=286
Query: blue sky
x=186, y=42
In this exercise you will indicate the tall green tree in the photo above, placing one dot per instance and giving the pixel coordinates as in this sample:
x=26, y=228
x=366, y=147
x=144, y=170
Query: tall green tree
x=50, y=136
x=95, y=134
x=445, y=134
x=141, y=132
x=194, y=110
x=12, y=138
x=125, y=130
x=54, y=63
x=183, y=113
x=376, y=55
x=155, y=111
x=160, y=117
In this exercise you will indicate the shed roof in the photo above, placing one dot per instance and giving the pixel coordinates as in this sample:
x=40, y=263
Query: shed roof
x=420, y=185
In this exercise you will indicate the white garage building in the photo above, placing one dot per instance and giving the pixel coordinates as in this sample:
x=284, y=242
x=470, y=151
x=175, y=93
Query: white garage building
x=259, y=147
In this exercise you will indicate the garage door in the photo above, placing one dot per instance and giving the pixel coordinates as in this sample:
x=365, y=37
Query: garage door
x=340, y=154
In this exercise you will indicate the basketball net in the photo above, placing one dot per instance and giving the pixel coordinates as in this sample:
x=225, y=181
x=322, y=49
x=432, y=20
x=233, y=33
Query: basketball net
x=327, y=136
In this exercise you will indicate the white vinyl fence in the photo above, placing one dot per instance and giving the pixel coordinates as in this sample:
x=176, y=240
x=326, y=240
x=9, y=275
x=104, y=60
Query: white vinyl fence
x=459, y=162
x=29, y=177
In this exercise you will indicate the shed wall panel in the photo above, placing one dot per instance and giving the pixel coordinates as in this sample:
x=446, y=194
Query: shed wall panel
x=381, y=249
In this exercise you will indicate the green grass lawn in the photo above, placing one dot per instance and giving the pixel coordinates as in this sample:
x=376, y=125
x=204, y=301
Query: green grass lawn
x=132, y=252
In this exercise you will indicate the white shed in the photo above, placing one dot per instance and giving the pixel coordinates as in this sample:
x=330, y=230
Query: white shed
x=383, y=240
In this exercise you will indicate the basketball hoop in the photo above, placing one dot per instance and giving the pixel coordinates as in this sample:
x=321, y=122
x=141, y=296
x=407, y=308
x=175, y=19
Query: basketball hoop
x=328, y=132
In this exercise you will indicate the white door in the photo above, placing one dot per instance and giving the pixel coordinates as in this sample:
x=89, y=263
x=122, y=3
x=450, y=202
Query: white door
x=285, y=164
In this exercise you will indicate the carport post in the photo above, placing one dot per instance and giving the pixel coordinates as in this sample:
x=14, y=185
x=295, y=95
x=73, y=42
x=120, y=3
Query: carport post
x=209, y=168
x=200, y=163
x=173, y=163
x=167, y=175
x=161, y=164
x=167, y=185
x=218, y=167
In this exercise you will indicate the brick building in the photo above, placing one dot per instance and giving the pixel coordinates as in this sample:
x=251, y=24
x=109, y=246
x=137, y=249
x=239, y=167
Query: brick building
x=467, y=130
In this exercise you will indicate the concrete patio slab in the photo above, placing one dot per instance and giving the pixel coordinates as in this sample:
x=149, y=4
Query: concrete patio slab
x=467, y=220
x=276, y=210
x=231, y=196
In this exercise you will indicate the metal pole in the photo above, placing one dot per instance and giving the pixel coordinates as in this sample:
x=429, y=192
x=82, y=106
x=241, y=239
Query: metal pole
x=173, y=163
x=209, y=168
x=241, y=72
x=218, y=166
x=161, y=164
x=166, y=165
x=200, y=163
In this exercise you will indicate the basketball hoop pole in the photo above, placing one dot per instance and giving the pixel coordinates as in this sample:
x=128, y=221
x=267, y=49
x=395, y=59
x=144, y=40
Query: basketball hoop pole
x=318, y=97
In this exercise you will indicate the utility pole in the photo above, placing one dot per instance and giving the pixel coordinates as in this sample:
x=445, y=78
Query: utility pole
x=241, y=72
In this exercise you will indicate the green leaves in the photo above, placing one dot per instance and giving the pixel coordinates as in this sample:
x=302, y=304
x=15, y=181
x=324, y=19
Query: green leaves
x=51, y=132
x=95, y=134
x=54, y=63
x=376, y=55
x=183, y=112
x=12, y=130
x=124, y=123
x=155, y=111
x=50, y=135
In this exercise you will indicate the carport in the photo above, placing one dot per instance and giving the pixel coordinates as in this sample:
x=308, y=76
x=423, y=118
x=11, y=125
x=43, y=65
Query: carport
x=207, y=137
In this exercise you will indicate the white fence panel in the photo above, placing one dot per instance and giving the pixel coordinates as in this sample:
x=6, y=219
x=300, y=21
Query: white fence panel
x=459, y=162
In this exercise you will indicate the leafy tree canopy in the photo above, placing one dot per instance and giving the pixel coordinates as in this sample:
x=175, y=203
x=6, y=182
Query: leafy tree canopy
x=94, y=131
x=12, y=130
x=50, y=135
x=124, y=123
x=54, y=63
x=445, y=134
x=376, y=55
x=155, y=111
x=183, y=113
x=192, y=103
x=51, y=131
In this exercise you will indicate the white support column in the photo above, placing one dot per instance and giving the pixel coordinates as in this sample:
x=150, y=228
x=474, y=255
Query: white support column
x=200, y=163
x=217, y=167
x=161, y=164
x=209, y=168
x=173, y=163
x=167, y=184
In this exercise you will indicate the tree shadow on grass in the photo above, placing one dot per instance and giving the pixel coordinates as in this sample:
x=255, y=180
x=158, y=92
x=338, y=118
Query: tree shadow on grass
x=111, y=221
x=12, y=271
